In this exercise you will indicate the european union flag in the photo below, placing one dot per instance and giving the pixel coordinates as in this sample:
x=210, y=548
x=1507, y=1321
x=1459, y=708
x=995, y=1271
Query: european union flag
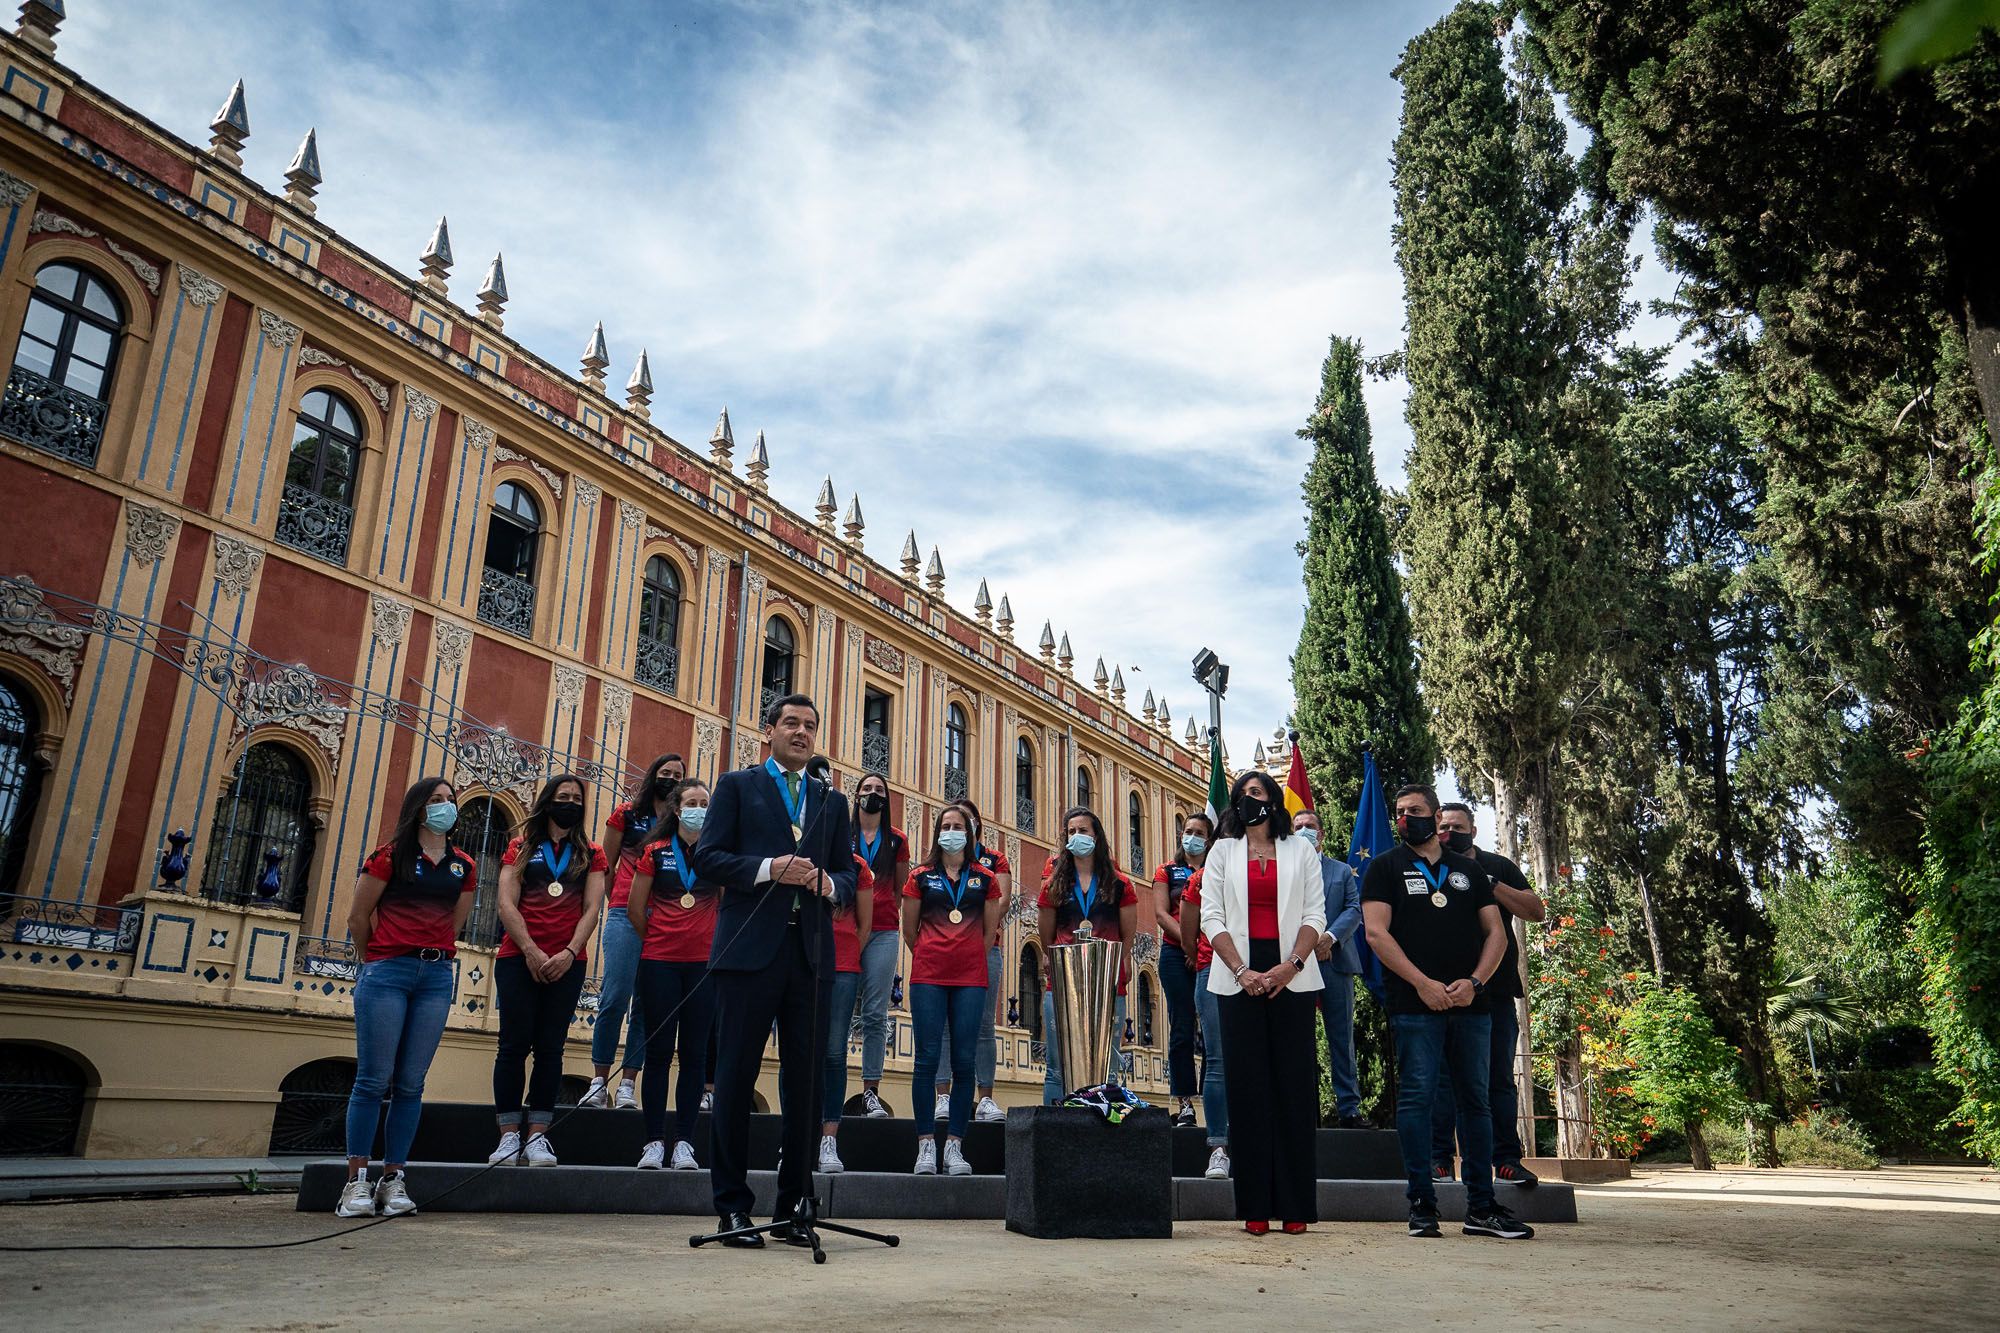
x=1371, y=838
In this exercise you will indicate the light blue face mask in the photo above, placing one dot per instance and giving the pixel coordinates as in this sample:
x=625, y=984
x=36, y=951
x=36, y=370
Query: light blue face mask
x=1081, y=844
x=1194, y=844
x=440, y=816
x=693, y=817
x=952, y=840
x=1311, y=835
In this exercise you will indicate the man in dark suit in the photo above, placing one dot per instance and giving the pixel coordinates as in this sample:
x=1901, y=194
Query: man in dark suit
x=777, y=842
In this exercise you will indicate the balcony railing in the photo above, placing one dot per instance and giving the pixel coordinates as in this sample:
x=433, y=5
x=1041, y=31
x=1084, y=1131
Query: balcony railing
x=957, y=784
x=507, y=602
x=57, y=420
x=53, y=925
x=310, y=522
x=318, y=956
x=1024, y=813
x=657, y=665
x=875, y=753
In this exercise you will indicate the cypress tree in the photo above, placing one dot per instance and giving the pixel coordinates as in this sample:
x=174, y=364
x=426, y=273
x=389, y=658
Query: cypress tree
x=1354, y=676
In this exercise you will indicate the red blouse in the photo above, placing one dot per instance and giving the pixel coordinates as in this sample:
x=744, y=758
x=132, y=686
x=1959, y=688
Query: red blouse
x=1264, y=900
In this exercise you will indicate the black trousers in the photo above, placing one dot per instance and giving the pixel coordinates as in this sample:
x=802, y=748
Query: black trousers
x=1272, y=1076
x=784, y=990
x=678, y=1000
x=534, y=1017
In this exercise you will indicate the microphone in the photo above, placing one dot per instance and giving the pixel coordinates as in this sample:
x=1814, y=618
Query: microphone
x=820, y=771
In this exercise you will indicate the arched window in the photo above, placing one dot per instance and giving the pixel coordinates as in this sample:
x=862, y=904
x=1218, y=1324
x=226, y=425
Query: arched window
x=507, y=583
x=876, y=707
x=1135, y=820
x=317, y=513
x=780, y=653
x=263, y=812
x=957, y=774
x=1083, y=792
x=312, y=1108
x=18, y=779
x=1024, y=785
x=482, y=831
x=59, y=390
x=658, y=660
x=45, y=1093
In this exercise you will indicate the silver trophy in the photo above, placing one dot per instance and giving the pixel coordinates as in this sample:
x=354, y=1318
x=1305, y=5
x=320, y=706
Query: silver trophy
x=1085, y=977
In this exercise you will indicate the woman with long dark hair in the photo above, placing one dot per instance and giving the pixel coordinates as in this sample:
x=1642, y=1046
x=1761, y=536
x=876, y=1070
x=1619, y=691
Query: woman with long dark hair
x=987, y=1057
x=551, y=891
x=1084, y=884
x=630, y=827
x=886, y=852
x=1263, y=907
x=673, y=910
x=414, y=893
x=1177, y=963
x=951, y=909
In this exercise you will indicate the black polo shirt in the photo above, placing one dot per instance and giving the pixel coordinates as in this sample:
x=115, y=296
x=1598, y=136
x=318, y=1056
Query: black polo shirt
x=1507, y=981
x=1443, y=938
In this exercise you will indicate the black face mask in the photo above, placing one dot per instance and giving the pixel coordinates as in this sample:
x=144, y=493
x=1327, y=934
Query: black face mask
x=1458, y=841
x=663, y=786
x=566, y=815
x=874, y=803
x=1417, y=829
x=1252, y=811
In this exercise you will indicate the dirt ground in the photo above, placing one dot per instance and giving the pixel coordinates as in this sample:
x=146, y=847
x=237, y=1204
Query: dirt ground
x=1897, y=1248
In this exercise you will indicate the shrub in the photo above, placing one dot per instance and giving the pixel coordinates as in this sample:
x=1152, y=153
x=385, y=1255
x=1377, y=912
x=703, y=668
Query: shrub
x=1825, y=1138
x=1678, y=1071
x=1906, y=1112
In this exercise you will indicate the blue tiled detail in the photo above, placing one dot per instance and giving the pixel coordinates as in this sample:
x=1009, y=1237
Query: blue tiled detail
x=592, y=419
x=154, y=939
x=297, y=246
x=215, y=197
x=298, y=985
x=483, y=355
x=208, y=973
x=74, y=961
x=218, y=939
x=258, y=936
x=16, y=75
x=430, y=324
x=111, y=965
x=326, y=988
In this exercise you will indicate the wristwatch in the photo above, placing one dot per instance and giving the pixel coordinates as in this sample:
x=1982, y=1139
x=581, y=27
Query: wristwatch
x=1478, y=986
x=1298, y=963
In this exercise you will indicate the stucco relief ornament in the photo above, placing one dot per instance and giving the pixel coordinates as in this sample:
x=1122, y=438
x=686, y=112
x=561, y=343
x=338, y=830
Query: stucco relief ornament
x=28, y=629
x=148, y=531
x=617, y=704
x=313, y=356
x=199, y=288
x=47, y=221
x=13, y=190
x=392, y=620
x=278, y=332
x=631, y=515
x=569, y=686
x=707, y=735
x=422, y=406
x=718, y=563
x=453, y=642
x=236, y=564
x=746, y=751
x=757, y=584
x=587, y=495
x=478, y=434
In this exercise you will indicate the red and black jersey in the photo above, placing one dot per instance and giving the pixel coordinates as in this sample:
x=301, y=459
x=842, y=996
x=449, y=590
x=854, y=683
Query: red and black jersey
x=1174, y=876
x=889, y=850
x=680, y=906
x=993, y=859
x=1103, y=903
x=948, y=952
x=634, y=821
x=416, y=909
x=551, y=905
x=1204, y=953
x=847, y=926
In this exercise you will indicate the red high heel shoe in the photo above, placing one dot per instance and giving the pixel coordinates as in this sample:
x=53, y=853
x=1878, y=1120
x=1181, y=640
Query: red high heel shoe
x=1295, y=1228
x=1258, y=1228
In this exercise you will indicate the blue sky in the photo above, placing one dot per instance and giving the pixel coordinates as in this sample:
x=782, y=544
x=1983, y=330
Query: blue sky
x=1049, y=284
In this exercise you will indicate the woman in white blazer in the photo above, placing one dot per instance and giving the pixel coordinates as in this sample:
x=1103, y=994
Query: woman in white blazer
x=1263, y=909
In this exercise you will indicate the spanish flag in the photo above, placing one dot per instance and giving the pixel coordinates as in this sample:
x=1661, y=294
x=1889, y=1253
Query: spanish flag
x=1298, y=787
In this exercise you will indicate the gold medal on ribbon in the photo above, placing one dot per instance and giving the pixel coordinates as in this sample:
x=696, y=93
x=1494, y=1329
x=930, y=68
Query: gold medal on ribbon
x=956, y=916
x=556, y=889
x=687, y=900
x=1437, y=899
x=798, y=834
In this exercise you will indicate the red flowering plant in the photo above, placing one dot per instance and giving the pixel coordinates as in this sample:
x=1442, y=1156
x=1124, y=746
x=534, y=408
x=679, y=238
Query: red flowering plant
x=1577, y=993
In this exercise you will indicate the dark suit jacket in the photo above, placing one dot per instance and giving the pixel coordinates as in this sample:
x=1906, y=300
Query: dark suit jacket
x=746, y=824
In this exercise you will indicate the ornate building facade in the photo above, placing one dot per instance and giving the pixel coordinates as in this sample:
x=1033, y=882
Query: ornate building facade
x=291, y=528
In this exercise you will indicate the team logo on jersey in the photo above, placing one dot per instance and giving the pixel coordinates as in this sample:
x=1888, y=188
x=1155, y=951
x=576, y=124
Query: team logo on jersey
x=458, y=870
x=1460, y=880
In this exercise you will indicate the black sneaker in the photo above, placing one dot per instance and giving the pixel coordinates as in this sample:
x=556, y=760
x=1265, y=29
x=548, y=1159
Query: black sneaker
x=1184, y=1118
x=1441, y=1171
x=1496, y=1222
x=1354, y=1122
x=1424, y=1221
x=1513, y=1173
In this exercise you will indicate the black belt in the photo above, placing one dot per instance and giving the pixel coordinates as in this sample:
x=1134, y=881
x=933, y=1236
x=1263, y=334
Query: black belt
x=424, y=955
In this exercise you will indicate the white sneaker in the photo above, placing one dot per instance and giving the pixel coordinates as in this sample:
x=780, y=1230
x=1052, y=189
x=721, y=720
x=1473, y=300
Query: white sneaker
x=509, y=1150
x=655, y=1156
x=829, y=1156
x=954, y=1159
x=708, y=1101
x=872, y=1106
x=357, y=1199
x=538, y=1152
x=988, y=1110
x=391, y=1199
x=684, y=1157
x=926, y=1157
x=628, y=1096
x=942, y=1111
x=593, y=1095
x=1218, y=1165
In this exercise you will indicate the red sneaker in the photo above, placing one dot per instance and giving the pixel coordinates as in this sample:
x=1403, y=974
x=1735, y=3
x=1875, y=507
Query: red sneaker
x=1295, y=1228
x=1258, y=1228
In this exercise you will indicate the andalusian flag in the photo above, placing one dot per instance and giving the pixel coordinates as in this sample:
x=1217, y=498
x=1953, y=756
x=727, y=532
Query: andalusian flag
x=1218, y=781
x=1298, y=787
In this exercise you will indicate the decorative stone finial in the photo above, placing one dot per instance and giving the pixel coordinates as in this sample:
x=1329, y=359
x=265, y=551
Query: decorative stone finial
x=1149, y=711
x=1101, y=679
x=595, y=358
x=1064, y=657
x=1166, y=718
x=39, y=21
x=230, y=128
x=852, y=525
x=303, y=178
x=722, y=443
x=1257, y=755
x=1048, y=645
x=934, y=574
x=639, y=389
x=1006, y=618
x=826, y=506
x=1118, y=686
x=1193, y=738
x=493, y=293
x=436, y=258
x=982, y=604
x=910, y=556
x=760, y=463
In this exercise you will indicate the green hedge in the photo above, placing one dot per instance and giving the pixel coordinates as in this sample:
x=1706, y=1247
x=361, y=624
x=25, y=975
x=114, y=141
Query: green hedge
x=1905, y=1113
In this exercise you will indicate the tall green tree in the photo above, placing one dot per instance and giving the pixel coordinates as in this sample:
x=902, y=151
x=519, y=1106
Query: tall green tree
x=1354, y=675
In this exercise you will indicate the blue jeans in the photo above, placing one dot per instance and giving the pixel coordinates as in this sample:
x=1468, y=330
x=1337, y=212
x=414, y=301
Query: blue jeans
x=931, y=1007
x=618, y=993
x=1052, y=1089
x=878, y=977
x=1336, y=1013
x=399, y=1011
x=1214, y=1092
x=987, y=1058
x=846, y=991
x=1426, y=1046
x=1501, y=1094
x=1177, y=980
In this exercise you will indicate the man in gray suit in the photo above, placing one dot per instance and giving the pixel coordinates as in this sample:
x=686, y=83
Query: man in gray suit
x=1339, y=964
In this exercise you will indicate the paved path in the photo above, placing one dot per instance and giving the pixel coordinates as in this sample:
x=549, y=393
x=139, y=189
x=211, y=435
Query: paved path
x=1901, y=1248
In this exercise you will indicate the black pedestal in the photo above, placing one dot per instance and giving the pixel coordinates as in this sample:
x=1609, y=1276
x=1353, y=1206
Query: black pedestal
x=1072, y=1174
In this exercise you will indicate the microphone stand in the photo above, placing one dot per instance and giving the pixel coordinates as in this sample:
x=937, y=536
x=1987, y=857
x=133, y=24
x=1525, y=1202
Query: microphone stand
x=805, y=1219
